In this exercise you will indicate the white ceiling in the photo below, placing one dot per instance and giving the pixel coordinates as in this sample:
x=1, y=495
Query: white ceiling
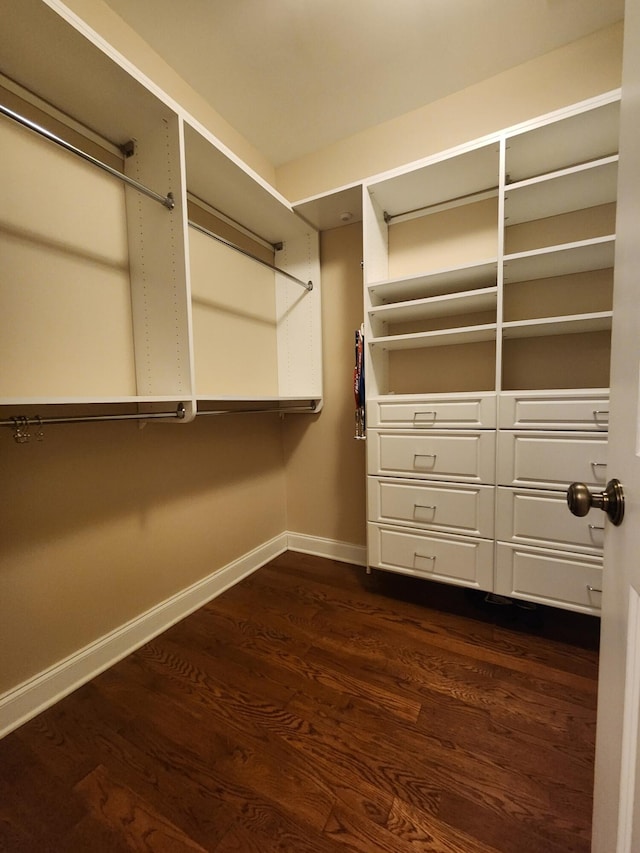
x=293, y=76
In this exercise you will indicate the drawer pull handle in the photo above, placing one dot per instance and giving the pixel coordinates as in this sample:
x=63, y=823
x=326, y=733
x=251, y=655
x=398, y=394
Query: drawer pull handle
x=424, y=456
x=432, y=416
x=597, y=412
x=424, y=507
x=598, y=464
x=425, y=556
x=595, y=527
x=593, y=588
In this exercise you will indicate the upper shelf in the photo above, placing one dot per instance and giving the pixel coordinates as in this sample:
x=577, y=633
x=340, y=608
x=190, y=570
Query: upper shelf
x=331, y=210
x=579, y=138
x=214, y=178
x=81, y=81
x=459, y=175
x=576, y=188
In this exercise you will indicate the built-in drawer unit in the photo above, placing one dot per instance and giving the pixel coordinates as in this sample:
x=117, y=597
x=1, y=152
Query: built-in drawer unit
x=466, y=456
x=448, y=507
x=487, y=321
x=462, y=412
x=552, y=460
x=572, y=581
x=539, y=517
x=578, y=411
x=453, y=559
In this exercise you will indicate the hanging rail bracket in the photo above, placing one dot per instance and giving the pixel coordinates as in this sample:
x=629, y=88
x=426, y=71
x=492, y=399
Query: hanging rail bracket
x=128, y=149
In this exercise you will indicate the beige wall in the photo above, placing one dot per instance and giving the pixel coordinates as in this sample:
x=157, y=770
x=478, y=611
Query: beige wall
x=581, y=70
x=102, y=521
x=325, y=464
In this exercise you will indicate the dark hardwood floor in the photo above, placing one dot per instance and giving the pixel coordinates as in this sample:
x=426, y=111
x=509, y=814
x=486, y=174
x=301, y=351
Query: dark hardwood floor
x=313, y=708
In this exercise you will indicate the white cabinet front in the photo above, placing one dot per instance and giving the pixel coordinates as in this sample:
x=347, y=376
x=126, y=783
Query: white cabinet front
x=435, y=413
x=552, y=460
x=542, y=518
x=451, y=508
x=549, y=577
x=466, y=561
x=464, y=456
x=581, y=412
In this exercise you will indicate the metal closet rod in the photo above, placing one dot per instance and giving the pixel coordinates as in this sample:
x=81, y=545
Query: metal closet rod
x=167, y=201
x=460, y=199
x=35, y=420
x=279, y=409
x=308, y=285
x=179, y=413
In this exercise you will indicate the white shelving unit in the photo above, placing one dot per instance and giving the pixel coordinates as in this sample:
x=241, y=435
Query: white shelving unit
x=576, y=188
x=596, y=322
x=488, y=306
x=100, y=278
x=581, y=256
x=449, y=304
x=454, y=280
x=444, y=337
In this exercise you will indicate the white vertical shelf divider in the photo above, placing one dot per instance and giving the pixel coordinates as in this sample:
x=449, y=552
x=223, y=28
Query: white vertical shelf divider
x=298, y=316
x=500, y=278
x=158, y=267
x=376, y=268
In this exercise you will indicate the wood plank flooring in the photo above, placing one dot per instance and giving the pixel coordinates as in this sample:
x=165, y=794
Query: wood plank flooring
x=313, y=708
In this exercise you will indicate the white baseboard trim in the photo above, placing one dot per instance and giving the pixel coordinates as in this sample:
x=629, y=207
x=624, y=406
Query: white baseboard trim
x=48, y=687
x=345, y=552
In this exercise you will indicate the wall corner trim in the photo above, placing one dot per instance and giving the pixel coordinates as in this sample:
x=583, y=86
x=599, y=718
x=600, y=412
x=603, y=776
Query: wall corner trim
x=19, y=705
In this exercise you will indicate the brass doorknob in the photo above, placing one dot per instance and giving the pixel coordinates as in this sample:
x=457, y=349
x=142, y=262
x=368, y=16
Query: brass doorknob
x=580, y=500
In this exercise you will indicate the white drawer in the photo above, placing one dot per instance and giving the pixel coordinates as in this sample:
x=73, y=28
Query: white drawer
x=534, y=517
x=464, y=456
x=459, y=560
x=467, y=510
x=581, y=412
x=434, y=413
x=559, y=579
x=552, y=460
